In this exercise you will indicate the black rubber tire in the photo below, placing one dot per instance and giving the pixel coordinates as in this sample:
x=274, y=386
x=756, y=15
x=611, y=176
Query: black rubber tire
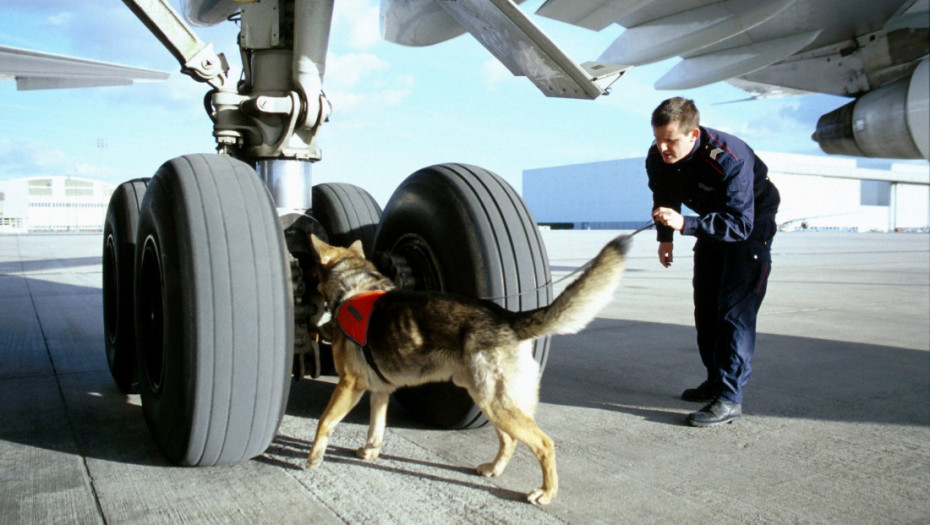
x=119, y=246
x=465, y=230
x=347, y=213
x=214, y=312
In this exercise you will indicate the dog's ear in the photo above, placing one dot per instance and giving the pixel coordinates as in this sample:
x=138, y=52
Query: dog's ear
x=322, y=249
x=357, y=248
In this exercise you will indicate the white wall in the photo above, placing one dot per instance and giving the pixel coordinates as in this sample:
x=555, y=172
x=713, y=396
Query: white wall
x=53, y=204
x=816, y=191
x=610, y=191
x=912, y=205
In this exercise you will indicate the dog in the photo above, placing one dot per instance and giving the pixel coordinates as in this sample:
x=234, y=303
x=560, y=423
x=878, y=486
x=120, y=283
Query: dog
x=416, y=337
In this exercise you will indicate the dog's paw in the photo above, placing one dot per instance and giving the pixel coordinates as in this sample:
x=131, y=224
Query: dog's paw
x=540, y=497
x=489, y=470
x=314, y=462
x=367, y=453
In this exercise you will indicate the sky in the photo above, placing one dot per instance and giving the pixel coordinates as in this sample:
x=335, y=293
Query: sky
x=396, y=109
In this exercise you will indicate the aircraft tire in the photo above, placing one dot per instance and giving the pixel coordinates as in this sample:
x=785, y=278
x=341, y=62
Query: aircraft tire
x=214, y=312
x=347, y=213
x=463, y=229
x=119, y=246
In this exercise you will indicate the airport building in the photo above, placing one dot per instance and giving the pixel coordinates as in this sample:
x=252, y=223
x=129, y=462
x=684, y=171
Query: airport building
x=818, y=193
x=53, y=204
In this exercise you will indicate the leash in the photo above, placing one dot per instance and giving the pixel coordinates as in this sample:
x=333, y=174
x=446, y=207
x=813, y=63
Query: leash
x=580, y=269
x=644, y=227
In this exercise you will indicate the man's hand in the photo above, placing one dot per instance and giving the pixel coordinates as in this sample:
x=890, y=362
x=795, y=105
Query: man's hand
x=669, y=217
x=665, y=253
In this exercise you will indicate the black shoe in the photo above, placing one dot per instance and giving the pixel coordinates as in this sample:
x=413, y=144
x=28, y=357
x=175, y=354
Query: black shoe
x=716, y=413
x=702, y=394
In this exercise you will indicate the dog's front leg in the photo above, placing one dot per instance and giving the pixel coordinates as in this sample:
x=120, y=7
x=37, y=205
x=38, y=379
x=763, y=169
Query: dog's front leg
x=379, y=404
x=344, y=399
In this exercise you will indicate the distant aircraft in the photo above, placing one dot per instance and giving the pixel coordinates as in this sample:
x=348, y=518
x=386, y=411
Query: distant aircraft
x=872, y=50
x=37, y=70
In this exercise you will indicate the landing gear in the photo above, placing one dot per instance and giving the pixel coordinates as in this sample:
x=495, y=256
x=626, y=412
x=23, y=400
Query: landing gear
x=214, y=312
x=213, y=300
x=219, y=313
x=462, y=229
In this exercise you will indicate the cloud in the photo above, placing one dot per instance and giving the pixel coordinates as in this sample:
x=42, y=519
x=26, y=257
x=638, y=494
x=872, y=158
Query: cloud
x=783, y=125
x=30, y=158
x=494, y=74
x=347, y=71
x=34, y=5
x=89, y=170
x=22, y=158
x=358, y=81
x=106, y=31
x=124, y=39
x=365, y=101
x=357, y=23
x=60, y=19
x=355, y=102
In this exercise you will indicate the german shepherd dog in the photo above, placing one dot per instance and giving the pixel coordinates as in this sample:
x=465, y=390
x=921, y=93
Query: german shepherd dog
x=419, y=337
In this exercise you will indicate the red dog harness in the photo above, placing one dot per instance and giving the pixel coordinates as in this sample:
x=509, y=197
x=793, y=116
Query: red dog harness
x=353, y=317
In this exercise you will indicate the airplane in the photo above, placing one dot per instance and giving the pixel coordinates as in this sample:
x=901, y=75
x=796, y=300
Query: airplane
x=34, y=70
x=209, y=295
x=874, y=51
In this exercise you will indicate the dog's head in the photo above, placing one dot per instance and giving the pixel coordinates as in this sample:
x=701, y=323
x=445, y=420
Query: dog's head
x=344, y=272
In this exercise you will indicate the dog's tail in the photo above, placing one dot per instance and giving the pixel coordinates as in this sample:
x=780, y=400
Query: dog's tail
x=581, y=301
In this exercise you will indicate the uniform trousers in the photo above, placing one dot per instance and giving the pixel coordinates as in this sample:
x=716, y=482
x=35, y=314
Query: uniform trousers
x=730, y=280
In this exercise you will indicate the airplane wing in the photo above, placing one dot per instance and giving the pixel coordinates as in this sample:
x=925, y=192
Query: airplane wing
x=37, y=70
x=507, y=33
x=873, y=50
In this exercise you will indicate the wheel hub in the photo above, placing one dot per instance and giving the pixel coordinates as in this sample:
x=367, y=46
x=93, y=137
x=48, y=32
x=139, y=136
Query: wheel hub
x=412, y=265
x=151, y=308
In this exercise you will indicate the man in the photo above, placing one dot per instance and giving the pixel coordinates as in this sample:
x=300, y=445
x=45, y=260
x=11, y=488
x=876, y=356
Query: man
x=718, y=176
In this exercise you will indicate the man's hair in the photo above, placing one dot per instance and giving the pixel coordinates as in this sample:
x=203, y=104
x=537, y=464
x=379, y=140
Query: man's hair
x=677, y=109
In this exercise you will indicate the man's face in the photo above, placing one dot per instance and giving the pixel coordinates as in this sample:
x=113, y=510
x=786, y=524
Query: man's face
x=673, y=144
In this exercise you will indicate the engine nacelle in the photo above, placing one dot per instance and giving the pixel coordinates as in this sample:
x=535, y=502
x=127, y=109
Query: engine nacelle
x=208, y=12
x=892, y=122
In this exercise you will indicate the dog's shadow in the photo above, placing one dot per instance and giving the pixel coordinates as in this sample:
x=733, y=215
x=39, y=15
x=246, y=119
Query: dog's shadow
x=308, y=399
x=285, y=448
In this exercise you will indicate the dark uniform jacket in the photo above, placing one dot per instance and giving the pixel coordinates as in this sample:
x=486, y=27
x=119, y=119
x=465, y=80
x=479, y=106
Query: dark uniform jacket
x=724, y=182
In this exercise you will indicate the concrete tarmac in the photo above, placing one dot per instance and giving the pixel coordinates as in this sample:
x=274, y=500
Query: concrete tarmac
x=836, y=424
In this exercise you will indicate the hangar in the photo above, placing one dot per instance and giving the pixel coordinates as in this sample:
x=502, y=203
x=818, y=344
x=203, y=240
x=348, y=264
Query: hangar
x=53, y=204
x=818, y=193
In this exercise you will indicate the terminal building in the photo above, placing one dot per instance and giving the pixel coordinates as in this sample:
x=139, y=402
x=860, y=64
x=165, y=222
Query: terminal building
x=53, y=204
x=817, y=194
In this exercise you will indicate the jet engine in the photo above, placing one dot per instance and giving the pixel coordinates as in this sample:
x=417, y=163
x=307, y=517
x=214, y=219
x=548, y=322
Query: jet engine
x=891, y=122
x=209, y=12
